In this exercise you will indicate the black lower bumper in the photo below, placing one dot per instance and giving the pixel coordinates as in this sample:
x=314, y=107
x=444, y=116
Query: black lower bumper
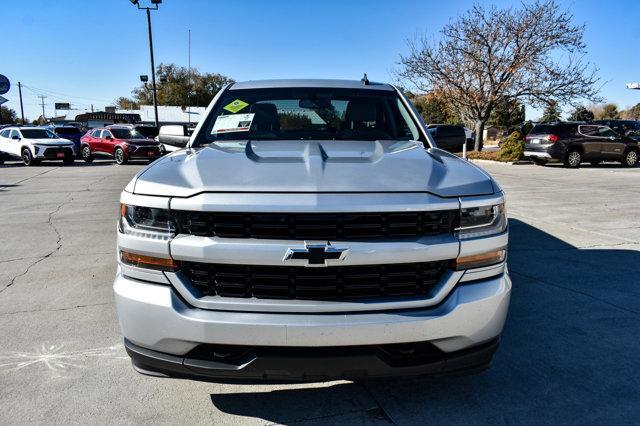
x=314, y=364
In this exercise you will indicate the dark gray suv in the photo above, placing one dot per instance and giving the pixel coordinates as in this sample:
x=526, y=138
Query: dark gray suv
x=574, y=143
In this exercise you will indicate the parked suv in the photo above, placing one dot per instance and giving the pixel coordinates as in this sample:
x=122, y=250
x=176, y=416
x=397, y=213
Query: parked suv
x=575, y=143
x=33, y=145
x=121, y=143
x=71, y=133
x=310, y=230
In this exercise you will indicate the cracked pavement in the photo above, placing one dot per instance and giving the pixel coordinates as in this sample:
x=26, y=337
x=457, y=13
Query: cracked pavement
x=568, y=353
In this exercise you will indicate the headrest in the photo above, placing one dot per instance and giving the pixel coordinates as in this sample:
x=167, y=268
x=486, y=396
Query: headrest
x=360, y=110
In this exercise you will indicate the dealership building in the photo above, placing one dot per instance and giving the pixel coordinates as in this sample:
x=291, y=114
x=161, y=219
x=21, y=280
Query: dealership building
x=144, y=115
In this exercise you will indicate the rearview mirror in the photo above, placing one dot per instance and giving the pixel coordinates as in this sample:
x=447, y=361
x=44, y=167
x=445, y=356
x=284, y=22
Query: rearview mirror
x=175, y=135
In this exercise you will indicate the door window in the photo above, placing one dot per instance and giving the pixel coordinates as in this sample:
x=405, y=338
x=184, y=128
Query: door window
x=95, y=133
x=105, y=134
x=589, y=130
x=5, y=133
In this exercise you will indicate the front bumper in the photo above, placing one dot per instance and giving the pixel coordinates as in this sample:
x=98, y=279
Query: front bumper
x=158, y=325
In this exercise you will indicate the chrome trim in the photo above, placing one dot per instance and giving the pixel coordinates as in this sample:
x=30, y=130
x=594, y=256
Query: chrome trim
x=250, y=251
x=314, y=203
x=536, y=154
x=484, y=272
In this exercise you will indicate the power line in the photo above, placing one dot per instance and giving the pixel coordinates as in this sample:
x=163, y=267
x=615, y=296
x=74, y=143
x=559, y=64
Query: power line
x=52, y=92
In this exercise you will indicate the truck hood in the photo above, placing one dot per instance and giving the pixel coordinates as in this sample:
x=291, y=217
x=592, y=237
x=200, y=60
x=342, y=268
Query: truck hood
x=312, y=166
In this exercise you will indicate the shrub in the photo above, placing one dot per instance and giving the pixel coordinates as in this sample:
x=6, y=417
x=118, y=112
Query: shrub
x=512, y=147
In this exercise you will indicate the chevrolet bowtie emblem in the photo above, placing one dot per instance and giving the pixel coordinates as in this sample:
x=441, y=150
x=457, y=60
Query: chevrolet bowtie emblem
x=316, y=254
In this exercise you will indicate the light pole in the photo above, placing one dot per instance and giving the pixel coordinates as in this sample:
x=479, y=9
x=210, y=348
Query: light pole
x=155, y=4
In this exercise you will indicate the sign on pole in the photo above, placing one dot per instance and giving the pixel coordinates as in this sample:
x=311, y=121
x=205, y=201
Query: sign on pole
x=3, y=100
x=62, y=105
x=4, y=84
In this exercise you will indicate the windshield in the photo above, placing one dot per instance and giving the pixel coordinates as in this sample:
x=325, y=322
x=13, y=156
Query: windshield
x=126, y=134
x=302, y=114
x=38, y=134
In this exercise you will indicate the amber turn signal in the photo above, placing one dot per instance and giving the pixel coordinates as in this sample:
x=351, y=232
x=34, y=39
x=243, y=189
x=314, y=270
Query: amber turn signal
x=478, y=260
x=149, y=262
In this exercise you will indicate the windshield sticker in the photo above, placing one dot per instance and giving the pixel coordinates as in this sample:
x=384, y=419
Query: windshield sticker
x=236, y=106
x=232, y=123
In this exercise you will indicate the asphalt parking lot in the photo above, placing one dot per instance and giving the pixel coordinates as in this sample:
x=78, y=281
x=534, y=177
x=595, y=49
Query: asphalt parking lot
x=569, y=353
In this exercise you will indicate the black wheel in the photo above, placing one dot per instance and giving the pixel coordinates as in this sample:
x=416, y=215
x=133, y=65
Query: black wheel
x=539, y=161
x=595, y=162
x=120, y=157
x=630, y=158
x=68, y=161
x=573, y=159
x=86, y=154
x=27, y=158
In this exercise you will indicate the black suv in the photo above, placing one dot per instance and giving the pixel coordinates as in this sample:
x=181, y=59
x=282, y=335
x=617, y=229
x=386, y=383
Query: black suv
x=574, y=143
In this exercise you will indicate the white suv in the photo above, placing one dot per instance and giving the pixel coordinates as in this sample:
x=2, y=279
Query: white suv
x=33, y=144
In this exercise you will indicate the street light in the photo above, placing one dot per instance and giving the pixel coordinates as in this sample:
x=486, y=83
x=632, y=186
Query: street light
x=155, y=4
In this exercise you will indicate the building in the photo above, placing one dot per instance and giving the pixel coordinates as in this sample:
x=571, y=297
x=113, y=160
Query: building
x=167, y=114
x=144, y=115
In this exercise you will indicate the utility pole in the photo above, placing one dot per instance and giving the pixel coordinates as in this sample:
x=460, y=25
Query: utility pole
x=153, y=65
x=21, y=107
x=42, y=98
x=189, y=85
x=153, y=70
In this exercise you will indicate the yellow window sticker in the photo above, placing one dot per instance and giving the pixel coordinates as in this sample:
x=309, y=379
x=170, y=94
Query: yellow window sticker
x=236, y=106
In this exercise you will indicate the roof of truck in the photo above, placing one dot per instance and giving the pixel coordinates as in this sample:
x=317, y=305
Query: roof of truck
x=314, y=83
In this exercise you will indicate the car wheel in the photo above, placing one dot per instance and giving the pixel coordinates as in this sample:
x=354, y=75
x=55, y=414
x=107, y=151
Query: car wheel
x=630, y=158
x=573, y=159
x=68, y=161
x=120, y=157
x=595, y=162
x=539, y=161
x=86, y=154
x=27, y=158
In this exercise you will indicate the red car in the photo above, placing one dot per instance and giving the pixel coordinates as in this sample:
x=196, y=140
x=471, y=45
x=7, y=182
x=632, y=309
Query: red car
x=121, y=143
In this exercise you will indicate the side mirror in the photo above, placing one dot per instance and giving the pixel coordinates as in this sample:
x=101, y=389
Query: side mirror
x=175, y=135
x=15, y=137
x=109, y=138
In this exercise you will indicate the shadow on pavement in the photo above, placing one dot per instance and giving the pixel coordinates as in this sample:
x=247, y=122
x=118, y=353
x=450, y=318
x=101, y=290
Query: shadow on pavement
x=569, y=351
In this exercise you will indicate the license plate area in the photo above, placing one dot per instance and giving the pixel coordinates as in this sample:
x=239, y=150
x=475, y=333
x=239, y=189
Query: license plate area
x=60, y=154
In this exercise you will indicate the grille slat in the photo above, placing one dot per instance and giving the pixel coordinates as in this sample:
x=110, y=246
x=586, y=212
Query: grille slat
x=326, y=283
x=300, y=226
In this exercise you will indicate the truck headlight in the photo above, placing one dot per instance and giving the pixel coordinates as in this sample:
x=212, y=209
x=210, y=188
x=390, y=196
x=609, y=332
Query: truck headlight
x=147, y=222
x=482, y=221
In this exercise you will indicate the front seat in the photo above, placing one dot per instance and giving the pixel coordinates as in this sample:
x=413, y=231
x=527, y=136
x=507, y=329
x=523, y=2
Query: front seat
x=359, y=112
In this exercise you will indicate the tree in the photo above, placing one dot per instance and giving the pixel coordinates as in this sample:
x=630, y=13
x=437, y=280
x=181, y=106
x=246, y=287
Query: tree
x=126, y=103
x=632, y=113
x=580, y=113
x=530, y=53
x=606, y=112
x=8, y=116
x=433, y=108
x=507, y=113
x=550, y=113
x=174, y=89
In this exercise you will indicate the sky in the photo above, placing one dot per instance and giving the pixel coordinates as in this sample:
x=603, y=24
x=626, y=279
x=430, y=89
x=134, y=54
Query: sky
x=92, y=51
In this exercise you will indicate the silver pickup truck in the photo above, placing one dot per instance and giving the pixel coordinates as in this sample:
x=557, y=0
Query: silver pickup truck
x=311, y=230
